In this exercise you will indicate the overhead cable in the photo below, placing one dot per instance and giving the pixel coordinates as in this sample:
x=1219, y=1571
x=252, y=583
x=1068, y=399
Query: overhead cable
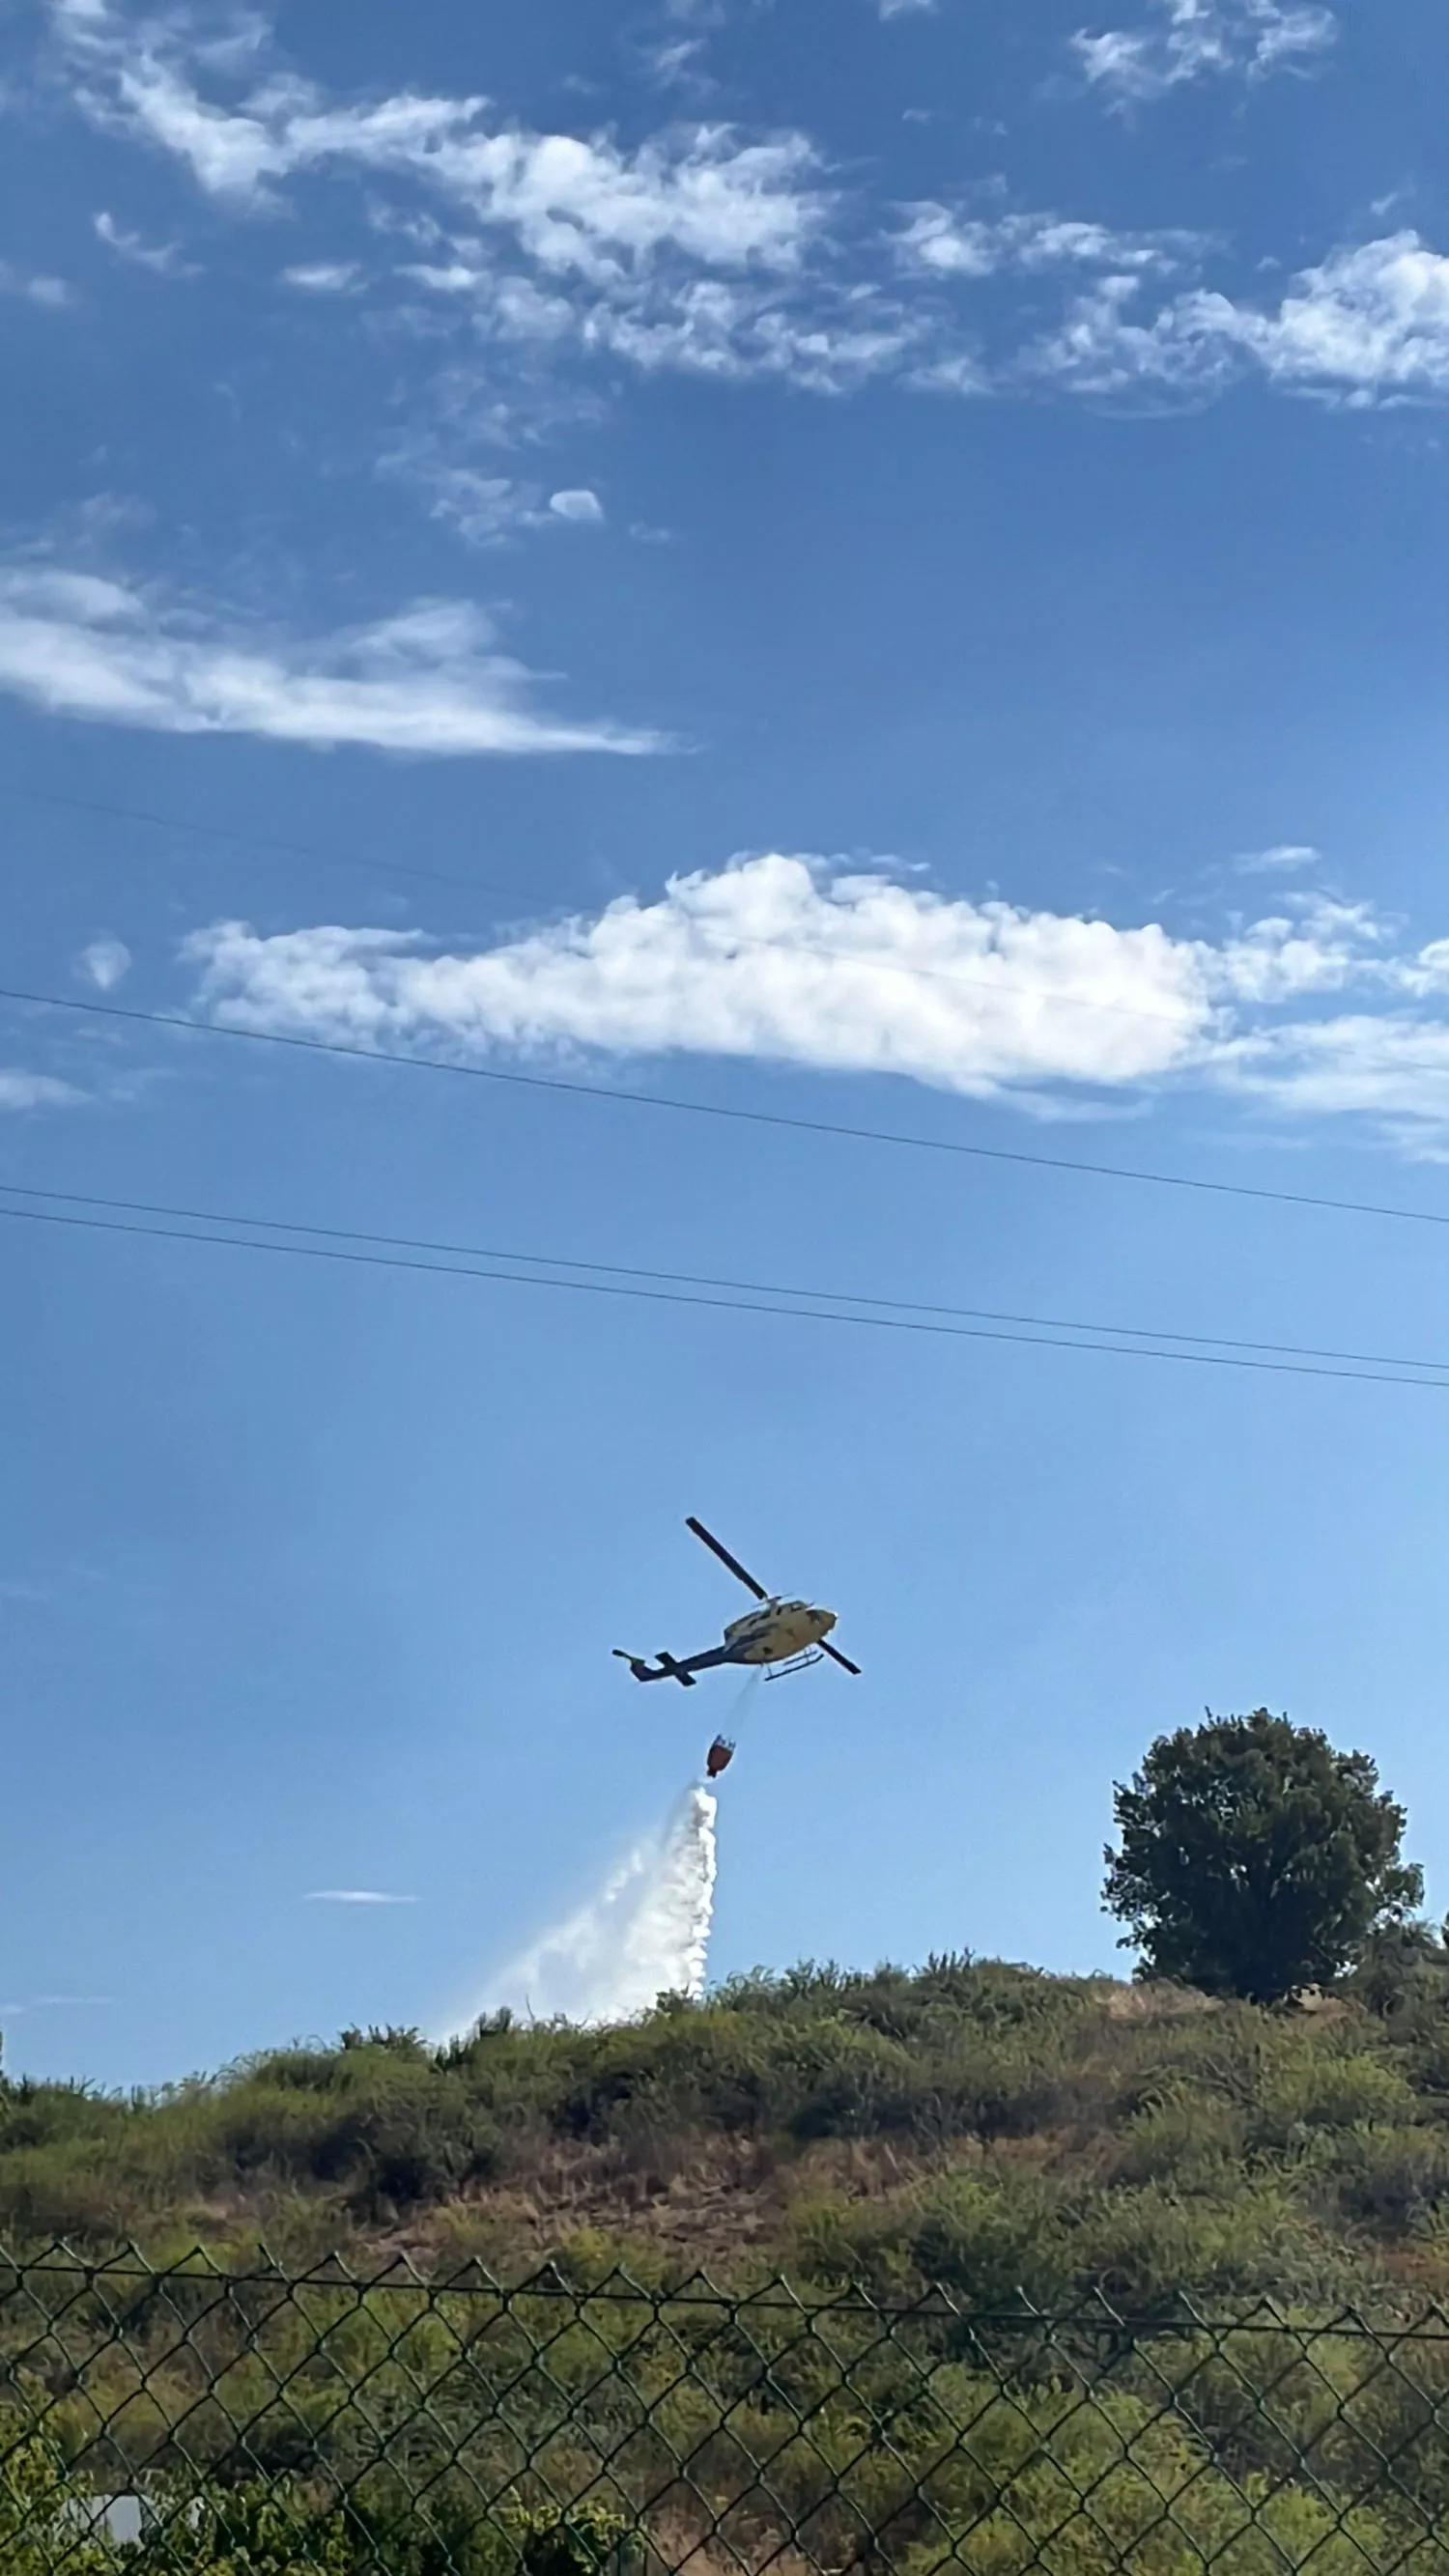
x=231, y=833
x=620, y=1288
x=695, y=1279
x=179, y=1026
x=994, y=984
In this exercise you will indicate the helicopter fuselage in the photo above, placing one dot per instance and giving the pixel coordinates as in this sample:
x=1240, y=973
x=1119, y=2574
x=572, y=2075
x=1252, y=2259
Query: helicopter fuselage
x=777, y=1631
x=774, y=1633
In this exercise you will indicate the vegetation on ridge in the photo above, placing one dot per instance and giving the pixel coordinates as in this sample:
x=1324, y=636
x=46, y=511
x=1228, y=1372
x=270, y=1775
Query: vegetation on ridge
x=979, y=2124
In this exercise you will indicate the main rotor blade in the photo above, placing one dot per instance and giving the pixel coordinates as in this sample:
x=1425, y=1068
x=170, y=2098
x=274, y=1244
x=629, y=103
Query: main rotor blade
x=836, y=1657
x=725, y=1558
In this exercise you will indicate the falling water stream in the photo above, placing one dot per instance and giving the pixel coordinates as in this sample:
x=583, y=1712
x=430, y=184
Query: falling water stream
x=645, y=1933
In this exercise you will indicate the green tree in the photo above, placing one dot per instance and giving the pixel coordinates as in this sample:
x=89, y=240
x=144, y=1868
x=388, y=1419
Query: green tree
x=1254, y=1859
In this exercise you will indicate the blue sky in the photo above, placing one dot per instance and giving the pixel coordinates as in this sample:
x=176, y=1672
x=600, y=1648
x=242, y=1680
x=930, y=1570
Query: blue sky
x=874, y=565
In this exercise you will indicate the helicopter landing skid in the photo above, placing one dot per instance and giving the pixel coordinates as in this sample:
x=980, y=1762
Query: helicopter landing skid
x=797, y=1664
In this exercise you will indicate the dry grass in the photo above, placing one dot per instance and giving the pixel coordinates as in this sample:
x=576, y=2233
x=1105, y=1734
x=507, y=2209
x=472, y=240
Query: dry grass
x=729, y=2200
x=683, y=2543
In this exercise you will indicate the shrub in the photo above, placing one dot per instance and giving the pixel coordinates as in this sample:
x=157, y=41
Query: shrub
x=1146, y=2248
x=1395, y=2179
x=1324, y=2090
x=1187, y=2137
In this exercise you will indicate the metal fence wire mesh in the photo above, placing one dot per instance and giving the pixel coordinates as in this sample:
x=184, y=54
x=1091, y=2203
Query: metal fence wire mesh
x=187, y=2418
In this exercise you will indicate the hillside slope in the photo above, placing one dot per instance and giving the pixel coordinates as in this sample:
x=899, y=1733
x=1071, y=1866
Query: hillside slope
x=982, y=2125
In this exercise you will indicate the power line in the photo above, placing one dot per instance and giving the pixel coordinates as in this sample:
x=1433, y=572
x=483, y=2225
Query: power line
x=694, y=1279
x=439, y=876
x=229, y=832
x=716, y=1109
x=718, y=1303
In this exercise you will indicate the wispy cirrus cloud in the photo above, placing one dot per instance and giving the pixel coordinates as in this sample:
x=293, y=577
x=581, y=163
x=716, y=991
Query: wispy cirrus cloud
x=1368, y=324
x=53, y=294
x=355, y=1896
x=571, y=203
x=21, y=1089
x=429, y=682
x=946, y=242
x=734, y=257
x=792, y=960
x=104, y=963
x=163, y=259
x=323, y=276
x=55, y=2003
x=489, y=509
x=1192, y=40
x=1389, y=1071
x=1285, y=858
x=703, y=250
x=483, y=509
x=694, y=251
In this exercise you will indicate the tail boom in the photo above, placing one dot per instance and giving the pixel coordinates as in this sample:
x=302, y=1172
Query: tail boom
x=666, y=1670
x=674, y=1668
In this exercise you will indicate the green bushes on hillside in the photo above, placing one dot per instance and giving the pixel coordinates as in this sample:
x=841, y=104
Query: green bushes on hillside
x=1005, y=2130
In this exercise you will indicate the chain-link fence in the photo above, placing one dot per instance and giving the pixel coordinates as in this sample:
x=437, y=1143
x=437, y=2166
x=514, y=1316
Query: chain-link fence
x=199, y=2421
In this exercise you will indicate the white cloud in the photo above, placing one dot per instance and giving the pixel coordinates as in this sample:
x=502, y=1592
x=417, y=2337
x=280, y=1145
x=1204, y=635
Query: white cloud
x=105, y=963
x=947, y=243
x=1391, y=1071
x=1369, y=321
x=20, y=1090
x=819, y=335
x=355, y=1896
x=672, y=62
x=906, y=8
x=51, y=293
x=323, y=276
x=1320, y=947
x=426, y=682
x=571, y=203
x=584, y=508
x=1369, y=324
x=483, y=509
x=694, y=251
x=732, y=257
x=1190, y=40
x=486, y=509
x=1284, y=859
x=791, y=960
x=1103, y=348
x=840, y=339
x=56, y=2003
x=164, y=259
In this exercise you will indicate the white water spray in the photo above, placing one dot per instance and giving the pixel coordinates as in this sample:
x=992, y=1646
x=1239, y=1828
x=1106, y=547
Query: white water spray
x=646, y=1933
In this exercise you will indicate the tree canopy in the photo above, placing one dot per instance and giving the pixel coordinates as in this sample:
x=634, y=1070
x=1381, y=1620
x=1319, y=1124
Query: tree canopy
x=1255, y=1860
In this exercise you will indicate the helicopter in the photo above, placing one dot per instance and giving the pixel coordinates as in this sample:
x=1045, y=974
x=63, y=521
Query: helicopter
x=785, y=1636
